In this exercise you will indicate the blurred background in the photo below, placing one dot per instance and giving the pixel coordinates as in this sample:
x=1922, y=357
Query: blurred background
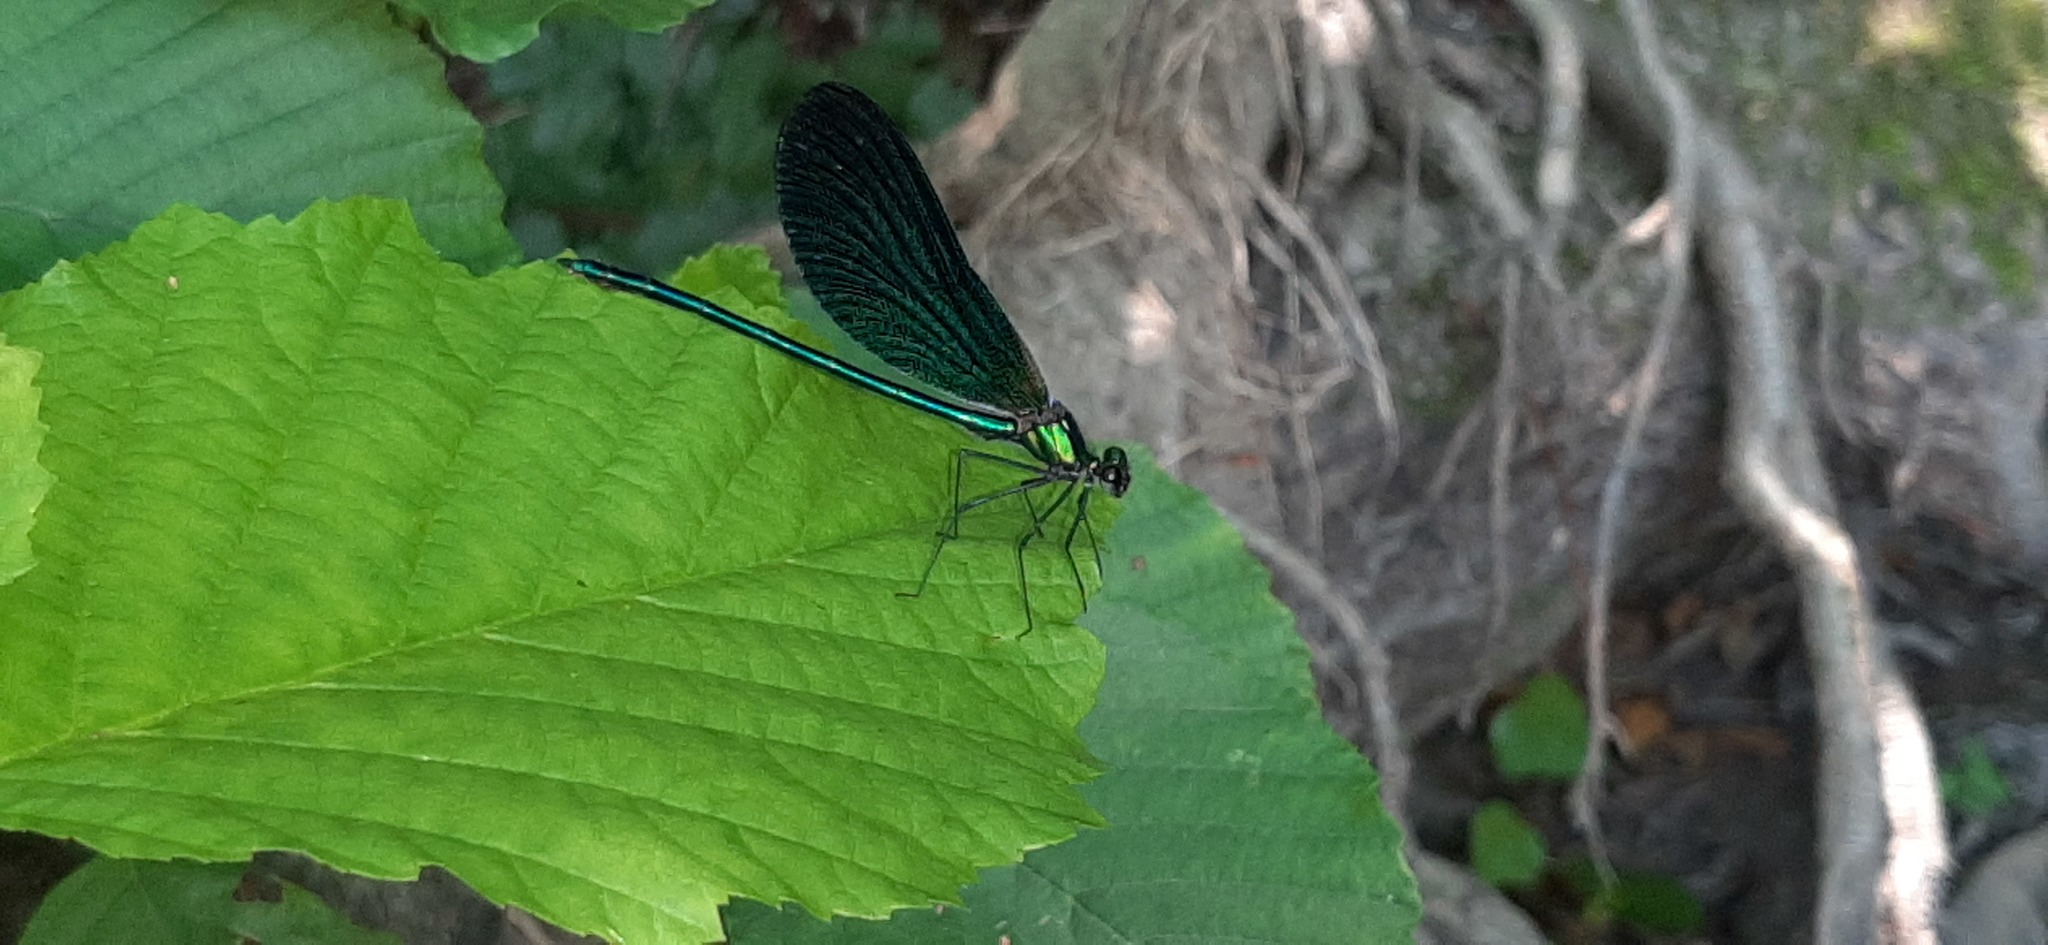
x=645, y=148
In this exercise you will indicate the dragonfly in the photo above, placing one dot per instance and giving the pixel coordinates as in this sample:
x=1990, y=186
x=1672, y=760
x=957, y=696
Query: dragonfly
x=880, y=254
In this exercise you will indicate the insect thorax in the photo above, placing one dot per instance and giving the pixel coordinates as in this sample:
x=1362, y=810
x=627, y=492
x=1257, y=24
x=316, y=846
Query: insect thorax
x=1053, y=438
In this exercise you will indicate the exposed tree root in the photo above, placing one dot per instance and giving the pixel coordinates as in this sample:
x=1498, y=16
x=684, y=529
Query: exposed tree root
x=1882, y=848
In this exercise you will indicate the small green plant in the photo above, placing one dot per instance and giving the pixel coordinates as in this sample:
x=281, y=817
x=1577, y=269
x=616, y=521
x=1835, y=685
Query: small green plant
x=1973, y=784
x=1505, y=849
x=1651, y=902
x=1541, y=736
x=1542, y=733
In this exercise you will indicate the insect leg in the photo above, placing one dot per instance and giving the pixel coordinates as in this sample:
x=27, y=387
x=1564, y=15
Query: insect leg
x=1037, y=529
x=1080, y=522
x=951, y=527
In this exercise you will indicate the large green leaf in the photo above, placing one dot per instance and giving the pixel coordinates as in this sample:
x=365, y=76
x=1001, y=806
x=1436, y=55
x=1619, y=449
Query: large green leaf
x=23, y=480
x=1235, y=814
x=115, y=109
x=170, y=903
x=486, y=30
x=590, y=601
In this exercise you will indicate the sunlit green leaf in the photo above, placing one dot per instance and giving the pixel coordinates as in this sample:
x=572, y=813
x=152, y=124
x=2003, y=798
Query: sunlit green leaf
x=23, y=480
x=590, y=601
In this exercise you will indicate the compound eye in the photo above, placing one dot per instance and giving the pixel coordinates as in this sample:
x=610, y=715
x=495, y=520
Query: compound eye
x=1115, y=471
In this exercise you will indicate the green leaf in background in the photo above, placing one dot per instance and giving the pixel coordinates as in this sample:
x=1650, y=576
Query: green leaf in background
x=592, y=602
x=634, y=150
x=1542, y=734
x=1974, y=784
x=489, y=30
x=1656, y=903
x=115, y=109
x=899, y=66
x=1236, y=814
x=117, y=901
x=1649, y=901
x=1505, y=850
x=23, y=480
x=641, y=149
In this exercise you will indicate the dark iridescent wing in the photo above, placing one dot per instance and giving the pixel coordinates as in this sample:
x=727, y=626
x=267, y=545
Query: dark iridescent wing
x=879, y=252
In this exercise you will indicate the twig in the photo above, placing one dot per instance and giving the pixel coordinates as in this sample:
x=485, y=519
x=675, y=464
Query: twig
x=1564, y=95
x=1453, y=455
x=1392, y=22
x=1462, y=138
x=1506, y=389
x=1881, y=845
x=1339, y=131
x=1882, y=849
x=1681, y=194
x=1340, y=304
